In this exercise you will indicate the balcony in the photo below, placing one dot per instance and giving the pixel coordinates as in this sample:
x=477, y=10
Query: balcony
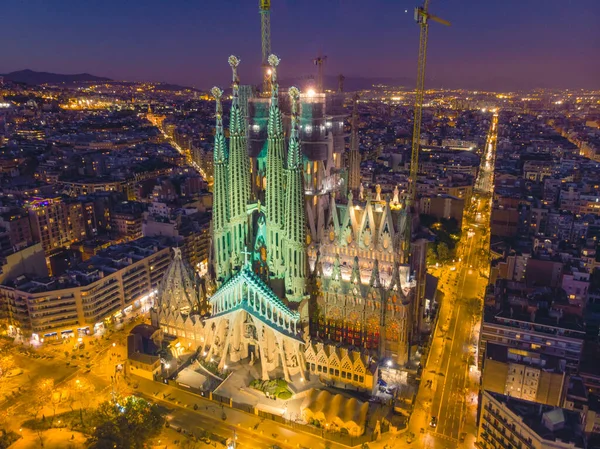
x=102, y=310
x=42, y=324
x=507, y=426
x=52, y=306
x=495, y=441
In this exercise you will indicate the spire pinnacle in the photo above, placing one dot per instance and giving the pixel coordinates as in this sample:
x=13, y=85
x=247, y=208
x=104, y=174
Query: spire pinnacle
x=336, y=274
x=220, y=150
x=294, y=158
x=318, y=270
x=275, y=126
x=375, y=281
x=235, y=124
x=396, y=284
x=273, y=62
x=355, y=276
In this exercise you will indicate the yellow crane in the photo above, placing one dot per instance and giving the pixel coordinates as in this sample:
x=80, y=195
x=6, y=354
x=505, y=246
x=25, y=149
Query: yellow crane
x=264, y=7
x=422, y=17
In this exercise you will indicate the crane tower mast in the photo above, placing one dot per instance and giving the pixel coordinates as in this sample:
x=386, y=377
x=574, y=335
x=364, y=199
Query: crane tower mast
x=422, y=17
x=265, y=31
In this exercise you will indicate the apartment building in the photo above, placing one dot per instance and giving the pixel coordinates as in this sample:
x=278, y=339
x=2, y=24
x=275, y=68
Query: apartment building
x=116, y=281
x=505, y=422
x=528, y=344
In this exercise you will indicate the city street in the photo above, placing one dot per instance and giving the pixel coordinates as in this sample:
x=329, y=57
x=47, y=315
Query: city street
x=447, y=391
x=252, y=431
x=94, y=365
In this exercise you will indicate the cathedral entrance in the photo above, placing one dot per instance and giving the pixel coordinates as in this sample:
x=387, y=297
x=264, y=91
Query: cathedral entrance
x=240, y=337
x=250, y=323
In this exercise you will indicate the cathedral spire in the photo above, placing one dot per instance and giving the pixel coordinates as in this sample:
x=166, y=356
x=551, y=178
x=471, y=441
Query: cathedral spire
x=295, y=219
x=375, y=281
x=177, y=291
x=336, y=273
x=236, y=126
x=239, y=173
x=318, y=269
x=355, y=276
x=354, y=156
x=396, y=284
x=275, y=126
x=220, y=150
x=294, y=156
x=221, y=240
x=274, y=194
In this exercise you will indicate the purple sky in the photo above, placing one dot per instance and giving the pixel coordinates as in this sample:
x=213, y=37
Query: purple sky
x=494, y=44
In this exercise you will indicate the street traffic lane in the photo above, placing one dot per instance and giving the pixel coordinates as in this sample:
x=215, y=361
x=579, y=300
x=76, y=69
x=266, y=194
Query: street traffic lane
x=183, y=401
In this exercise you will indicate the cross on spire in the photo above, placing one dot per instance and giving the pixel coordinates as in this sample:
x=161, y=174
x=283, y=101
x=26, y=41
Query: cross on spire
x=246, y=253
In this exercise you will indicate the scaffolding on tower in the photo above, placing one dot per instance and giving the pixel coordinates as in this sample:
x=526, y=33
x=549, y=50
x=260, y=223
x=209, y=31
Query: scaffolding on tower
x=319, y=61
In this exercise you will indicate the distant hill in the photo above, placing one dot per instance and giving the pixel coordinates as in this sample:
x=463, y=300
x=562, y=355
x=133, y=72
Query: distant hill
x=32, y=77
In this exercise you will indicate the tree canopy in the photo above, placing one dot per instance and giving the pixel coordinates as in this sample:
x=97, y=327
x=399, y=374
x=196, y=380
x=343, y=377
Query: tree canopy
x=126, y=423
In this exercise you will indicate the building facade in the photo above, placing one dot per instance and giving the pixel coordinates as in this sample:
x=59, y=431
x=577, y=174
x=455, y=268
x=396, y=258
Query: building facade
x=115, y=282
x=506, y=422
x=309, y=265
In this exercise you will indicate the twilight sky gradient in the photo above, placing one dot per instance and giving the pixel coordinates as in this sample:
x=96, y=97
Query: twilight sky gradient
x=502, y=44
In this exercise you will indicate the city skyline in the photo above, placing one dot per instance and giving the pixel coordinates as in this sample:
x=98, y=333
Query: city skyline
x=402, y=250
x=516, y=46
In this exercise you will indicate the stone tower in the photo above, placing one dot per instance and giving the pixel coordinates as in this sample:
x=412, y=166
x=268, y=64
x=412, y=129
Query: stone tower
x=221, y=237
x=354, y=156
x=274, y=195
x=295, y=216
x=177, y=291
x=239, y=174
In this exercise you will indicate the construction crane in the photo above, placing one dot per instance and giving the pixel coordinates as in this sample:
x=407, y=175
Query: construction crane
x=422, y=17
x=319, y=61
x=265, y=31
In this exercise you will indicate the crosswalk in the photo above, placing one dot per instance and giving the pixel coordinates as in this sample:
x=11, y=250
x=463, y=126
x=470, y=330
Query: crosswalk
x=445, y=437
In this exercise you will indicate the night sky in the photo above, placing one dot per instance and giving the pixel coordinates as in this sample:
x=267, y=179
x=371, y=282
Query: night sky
x=496, y=44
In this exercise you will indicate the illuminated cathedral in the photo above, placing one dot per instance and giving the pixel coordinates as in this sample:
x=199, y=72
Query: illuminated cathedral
x=308, y=270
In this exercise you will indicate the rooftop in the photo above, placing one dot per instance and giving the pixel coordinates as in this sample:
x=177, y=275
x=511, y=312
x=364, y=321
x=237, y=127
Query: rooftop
x=539, y=309
x=106, y=262
x=549, y=423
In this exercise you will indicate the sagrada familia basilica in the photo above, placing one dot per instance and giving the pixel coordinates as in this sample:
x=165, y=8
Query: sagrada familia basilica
x=310, y=274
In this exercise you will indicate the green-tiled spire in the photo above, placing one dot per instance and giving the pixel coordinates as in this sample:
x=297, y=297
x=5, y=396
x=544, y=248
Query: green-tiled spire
x=236, y=120
x=220, y=150
x=274, y=196
x=239, y=174
x=221, y=240
x=294, y=159
x=295, y=218
x=275, y=122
